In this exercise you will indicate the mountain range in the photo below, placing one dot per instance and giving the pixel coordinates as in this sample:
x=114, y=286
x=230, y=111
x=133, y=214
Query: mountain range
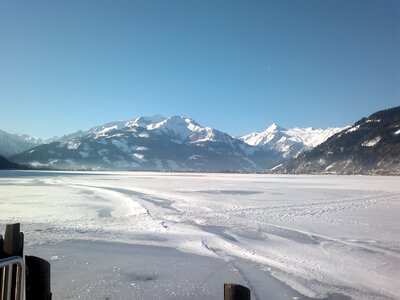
x=11, y=144
x=370, y=146
x=289, y=142
x=159, y=143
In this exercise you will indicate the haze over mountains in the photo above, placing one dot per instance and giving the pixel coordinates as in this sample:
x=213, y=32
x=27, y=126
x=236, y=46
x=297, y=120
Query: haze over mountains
x=179, y=143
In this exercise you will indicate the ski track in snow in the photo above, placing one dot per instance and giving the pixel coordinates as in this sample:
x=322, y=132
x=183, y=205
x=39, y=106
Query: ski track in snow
x=318, y=234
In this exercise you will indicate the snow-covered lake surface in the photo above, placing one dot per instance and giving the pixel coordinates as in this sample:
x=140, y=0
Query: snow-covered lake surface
x=132, y=235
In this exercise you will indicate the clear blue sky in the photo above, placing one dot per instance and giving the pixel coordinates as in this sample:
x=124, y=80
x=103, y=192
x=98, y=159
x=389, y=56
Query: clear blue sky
x=233, y=65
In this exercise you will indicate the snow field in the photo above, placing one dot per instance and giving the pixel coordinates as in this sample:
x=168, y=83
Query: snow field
x=320, y=235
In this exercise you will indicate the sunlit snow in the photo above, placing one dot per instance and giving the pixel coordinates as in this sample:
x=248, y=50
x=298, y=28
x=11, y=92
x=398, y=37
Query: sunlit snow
x=372, y=142
x=139, y=156
x=290, y=142
x=73, y=145
x=180, y=236
x=352, y=129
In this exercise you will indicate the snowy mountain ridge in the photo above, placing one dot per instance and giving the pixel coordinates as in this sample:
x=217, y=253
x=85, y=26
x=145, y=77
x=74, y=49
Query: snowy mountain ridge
x=11, y=144
x=370, y=146
x=289, y=142
x=181, y=129
x=180, y=143
x=174, y=143
x=150, y=143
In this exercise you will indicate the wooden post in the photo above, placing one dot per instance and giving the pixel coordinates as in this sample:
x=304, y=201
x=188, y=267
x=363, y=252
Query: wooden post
x=1, y=247
x=37, y=278
x=234, y=291
x=13, y=241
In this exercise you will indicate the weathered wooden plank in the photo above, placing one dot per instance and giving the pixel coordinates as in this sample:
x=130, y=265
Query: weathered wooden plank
x=1, y=247
x=13, y=241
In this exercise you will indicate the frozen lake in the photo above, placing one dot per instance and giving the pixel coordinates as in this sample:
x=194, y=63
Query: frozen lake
x=138, y=235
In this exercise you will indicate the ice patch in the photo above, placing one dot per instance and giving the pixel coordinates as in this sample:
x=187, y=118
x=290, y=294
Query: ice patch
x=195, y=157
x=56, y=258
x=176, y=141
x=372, y=142
x=276, y=167
x=37, y=164
x=73, y=145
x=140, y=156
x=329, y=167
x=144, y=135
x=352, y=129
x=117, y=135
x=140, y=148
x=104, y=130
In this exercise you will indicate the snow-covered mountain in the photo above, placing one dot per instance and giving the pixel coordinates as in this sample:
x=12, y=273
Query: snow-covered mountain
x=289, y=142
x=370, y=146
x=11, y=144
x=150, y=143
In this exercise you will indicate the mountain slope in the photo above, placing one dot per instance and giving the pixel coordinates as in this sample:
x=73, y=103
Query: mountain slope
x=11, y=144
x=150, y=143
x=370, y=146
x=6, y=164
x=289, y=142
